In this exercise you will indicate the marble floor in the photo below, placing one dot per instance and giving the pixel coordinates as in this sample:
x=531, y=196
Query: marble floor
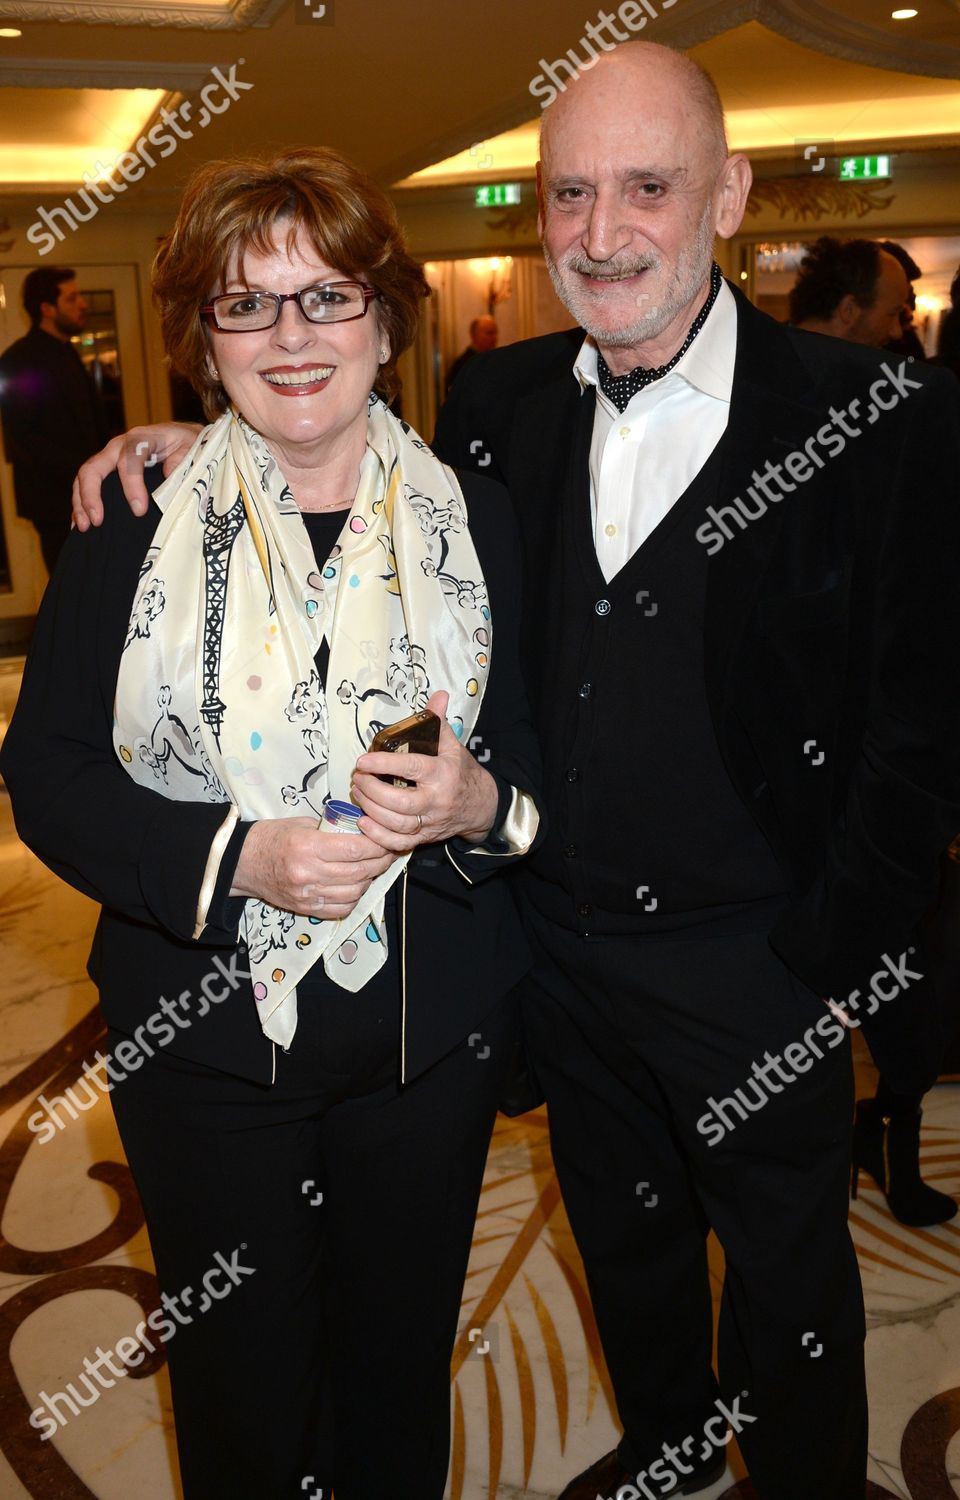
x=531, y=1399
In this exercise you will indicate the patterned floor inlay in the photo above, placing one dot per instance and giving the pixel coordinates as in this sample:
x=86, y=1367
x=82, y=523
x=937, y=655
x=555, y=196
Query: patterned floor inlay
x=531, y=1400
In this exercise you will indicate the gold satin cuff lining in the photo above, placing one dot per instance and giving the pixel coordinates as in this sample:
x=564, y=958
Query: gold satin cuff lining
x=209, y=883
x=518, y=829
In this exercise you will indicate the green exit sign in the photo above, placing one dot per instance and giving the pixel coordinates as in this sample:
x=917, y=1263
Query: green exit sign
x=497, y=194
x=863, y=168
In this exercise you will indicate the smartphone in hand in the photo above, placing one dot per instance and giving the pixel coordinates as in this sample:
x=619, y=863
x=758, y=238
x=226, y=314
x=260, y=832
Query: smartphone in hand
x=418, y=735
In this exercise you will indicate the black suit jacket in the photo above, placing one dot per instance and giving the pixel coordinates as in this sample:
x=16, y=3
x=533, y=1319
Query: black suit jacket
x=52, y=422
x=143, y=856
x=831, y=627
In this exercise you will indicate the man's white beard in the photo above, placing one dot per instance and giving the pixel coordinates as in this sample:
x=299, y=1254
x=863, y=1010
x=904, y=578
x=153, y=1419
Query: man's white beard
x=691, y=274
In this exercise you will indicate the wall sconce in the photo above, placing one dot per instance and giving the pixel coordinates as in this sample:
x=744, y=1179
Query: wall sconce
x=500, y=285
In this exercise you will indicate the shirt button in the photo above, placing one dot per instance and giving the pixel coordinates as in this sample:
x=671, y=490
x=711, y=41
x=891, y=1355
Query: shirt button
x=585, y=689
x=602, y=606
x=573, y=774
x=610, y=529
x=584, y=909
x=570, y=852
x=624, y=432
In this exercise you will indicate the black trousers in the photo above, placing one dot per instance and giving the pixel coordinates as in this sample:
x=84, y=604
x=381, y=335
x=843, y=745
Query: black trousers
x=330, y=1357
x=52, y=536
x=631, y=1038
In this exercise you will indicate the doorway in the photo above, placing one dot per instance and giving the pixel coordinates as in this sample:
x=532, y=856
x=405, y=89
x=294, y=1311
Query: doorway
x=112, y=348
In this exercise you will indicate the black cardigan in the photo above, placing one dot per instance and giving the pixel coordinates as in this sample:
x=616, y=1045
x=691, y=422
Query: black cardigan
x=143, y=856
x=830, y=631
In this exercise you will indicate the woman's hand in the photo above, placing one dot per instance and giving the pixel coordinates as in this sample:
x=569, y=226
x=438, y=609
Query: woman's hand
x=130, y=453
x=451, y=796
x=290, y=864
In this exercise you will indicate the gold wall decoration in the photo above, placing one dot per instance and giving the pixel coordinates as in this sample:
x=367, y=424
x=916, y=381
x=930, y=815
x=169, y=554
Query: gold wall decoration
x=520, y=219
x=817, y=197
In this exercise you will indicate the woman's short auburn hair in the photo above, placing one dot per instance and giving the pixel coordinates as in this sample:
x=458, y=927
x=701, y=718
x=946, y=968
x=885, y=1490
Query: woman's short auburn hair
x=230, y=207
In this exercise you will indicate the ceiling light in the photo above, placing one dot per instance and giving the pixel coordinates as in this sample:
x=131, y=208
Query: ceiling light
x=903, y=15
x=10, y=31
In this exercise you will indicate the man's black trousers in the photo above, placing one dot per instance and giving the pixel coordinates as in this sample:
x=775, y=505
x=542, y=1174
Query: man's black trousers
x=631, y=1038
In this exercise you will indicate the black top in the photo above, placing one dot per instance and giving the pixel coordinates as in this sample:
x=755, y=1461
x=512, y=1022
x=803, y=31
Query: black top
x=323, y=529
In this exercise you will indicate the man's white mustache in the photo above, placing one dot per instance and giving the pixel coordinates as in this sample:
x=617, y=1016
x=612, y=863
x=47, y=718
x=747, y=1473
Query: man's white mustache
x=607, y=267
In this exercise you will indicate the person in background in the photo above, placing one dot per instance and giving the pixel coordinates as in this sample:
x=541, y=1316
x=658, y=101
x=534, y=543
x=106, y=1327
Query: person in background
x=908, y=345
x=483, y=336
x=948, y=342
x=886, y=1137
x=851, y=289
x=204, y=678
x=52, y=417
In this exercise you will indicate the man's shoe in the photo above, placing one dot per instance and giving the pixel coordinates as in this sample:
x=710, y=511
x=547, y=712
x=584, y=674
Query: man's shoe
x=608, y=1475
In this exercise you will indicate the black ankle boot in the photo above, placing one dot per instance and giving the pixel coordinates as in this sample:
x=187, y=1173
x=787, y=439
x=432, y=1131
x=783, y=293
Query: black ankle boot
x=889, y=1149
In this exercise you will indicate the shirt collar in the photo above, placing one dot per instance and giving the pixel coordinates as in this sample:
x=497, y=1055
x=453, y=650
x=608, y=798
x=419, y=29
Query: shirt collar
x=707, y=364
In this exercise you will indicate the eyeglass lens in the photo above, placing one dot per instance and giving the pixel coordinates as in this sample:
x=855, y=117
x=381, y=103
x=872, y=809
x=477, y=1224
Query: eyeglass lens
x=321, y=304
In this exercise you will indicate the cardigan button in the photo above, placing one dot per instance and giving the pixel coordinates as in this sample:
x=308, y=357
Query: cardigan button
x=573, y=774
x=570, y=851
x=602, y=606
x=584, y=909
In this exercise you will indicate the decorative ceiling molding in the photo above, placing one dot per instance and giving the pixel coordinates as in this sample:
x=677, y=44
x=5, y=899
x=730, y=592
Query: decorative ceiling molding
x=816, y=198
x=69, y=73
x=228, y=15
x=814, y=26
x=698, y=21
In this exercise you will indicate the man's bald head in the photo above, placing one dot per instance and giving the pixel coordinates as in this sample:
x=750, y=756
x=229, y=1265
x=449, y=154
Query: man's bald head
x=634, y=182
x=630, y=72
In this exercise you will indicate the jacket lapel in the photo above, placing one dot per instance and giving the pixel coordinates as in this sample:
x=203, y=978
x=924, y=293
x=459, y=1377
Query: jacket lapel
x=772, y=412
x=549, y=469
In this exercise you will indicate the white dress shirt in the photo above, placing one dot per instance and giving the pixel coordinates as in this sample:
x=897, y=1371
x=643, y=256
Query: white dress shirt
x=643, y=459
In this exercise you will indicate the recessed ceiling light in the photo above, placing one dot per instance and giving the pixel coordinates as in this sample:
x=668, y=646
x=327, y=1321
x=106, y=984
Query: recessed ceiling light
x=903, y=15
x=10, y=31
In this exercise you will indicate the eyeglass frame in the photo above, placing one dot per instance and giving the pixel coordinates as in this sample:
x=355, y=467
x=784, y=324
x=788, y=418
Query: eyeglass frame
x=370, y=294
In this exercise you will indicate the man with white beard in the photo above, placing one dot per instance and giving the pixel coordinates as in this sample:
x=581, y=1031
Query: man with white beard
x=733, y=540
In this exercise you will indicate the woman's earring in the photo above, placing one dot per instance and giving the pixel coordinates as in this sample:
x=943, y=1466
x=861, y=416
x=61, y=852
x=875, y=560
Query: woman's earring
x=384, y=356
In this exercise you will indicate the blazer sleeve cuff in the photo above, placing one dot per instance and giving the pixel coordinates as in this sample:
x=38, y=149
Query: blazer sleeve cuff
x=211, y=871
x=511, y=837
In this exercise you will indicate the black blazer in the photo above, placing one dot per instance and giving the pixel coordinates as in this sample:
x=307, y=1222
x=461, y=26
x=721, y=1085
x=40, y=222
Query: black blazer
x=142, y=856
x=831, y=626
x=53, y=421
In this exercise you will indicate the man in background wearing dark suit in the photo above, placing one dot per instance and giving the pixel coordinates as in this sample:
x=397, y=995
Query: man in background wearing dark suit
x=52, y=417
x=740, y=619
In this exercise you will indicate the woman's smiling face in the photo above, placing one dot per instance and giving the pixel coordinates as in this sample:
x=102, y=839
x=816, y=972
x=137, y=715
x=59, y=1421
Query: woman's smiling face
x=302, y=385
